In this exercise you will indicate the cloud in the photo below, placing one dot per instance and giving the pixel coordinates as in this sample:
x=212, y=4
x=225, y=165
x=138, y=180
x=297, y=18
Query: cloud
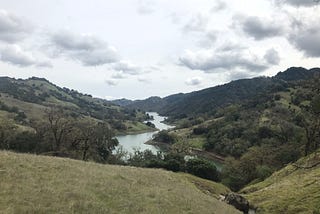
x=258, y=28
x=44, y=64
x=15, y=55
x=118, y=75
x=88, y=49
x=298, y=3
x=239, y=74
x=272, y=57
x=209, y=39
x=213, y=60
x=194, y=81
x=13, y=28
x=175, y=18
x=144, y=80
x=111, y=82
x=306, y=39
x=219, y=5
x=146, y=7
x=197, y=23
x=128, y=68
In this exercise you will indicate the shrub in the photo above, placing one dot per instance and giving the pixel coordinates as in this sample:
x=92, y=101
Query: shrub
x=165, y=137
x=203, y=168
x=263, y=171
x=200, y=130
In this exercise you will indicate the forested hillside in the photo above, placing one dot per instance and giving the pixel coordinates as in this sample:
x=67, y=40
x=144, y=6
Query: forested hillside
x=207, y=101
x=270, y=127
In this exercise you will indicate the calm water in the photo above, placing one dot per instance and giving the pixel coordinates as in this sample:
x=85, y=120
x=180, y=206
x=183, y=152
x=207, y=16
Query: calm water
x=137, y=141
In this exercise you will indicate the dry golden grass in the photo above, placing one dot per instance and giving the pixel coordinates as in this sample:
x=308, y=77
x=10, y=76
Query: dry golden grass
x=38, y=184
x=291, y=190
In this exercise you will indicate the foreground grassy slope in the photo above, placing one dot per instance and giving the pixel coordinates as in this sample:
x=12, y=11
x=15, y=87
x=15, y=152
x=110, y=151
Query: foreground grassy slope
x=38, y=184
x=294, y=189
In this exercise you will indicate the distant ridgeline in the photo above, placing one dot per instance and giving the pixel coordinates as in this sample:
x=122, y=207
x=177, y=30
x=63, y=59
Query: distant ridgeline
x=207, y=101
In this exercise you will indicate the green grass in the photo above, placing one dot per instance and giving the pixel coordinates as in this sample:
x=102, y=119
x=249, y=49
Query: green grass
x=32, y=110
x=39, y=184
x=290, y=190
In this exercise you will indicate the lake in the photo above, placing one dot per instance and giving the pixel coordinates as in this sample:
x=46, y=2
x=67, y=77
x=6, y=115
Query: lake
x=137, y=141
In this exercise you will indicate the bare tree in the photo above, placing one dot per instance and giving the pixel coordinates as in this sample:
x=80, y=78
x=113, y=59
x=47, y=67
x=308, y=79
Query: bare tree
x=59, y=126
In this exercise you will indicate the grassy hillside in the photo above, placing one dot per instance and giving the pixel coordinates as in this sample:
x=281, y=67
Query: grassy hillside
x=37, y=184
x=27, y=101
x=294, y=189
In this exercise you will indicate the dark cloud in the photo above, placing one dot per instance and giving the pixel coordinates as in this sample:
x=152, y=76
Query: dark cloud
x=223, y=59
x=87, y=49
x=272, y=57
x=13, y=28
x=298, y=3
x=194, y=81
x=306, y=39
x=258, y=28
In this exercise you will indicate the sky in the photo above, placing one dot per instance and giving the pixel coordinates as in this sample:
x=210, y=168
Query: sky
x=140, y=48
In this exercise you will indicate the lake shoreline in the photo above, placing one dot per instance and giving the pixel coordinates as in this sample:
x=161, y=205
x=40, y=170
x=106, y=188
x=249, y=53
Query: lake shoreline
x=119, y=134
x=131, y=141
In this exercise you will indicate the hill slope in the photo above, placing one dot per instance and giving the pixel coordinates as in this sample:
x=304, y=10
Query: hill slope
x=294, y=189
x=24, y=101
x=37, y=184
x=210, y=99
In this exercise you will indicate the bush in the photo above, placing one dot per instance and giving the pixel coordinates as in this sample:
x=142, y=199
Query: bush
x=200, y=130
x=165, y=137
x=150, y=124
x=25, y=142
x=203, y=168
x=263, y=172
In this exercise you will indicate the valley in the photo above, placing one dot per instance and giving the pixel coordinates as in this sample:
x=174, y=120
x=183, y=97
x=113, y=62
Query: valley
x=247, y=139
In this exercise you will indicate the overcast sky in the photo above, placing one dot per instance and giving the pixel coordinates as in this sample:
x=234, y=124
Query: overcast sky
x=140, y=48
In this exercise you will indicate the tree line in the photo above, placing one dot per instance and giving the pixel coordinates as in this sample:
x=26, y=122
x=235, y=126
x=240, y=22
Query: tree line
x=61, y=134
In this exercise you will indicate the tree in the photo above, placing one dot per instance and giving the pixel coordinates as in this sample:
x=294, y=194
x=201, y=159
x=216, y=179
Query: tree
x=104, y=142
x=59, y=126
x=7, y=132
x=311, y=119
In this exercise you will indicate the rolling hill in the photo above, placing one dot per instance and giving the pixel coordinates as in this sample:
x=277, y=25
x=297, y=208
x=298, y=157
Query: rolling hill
x=39, y=184
x=26, y=101
x=208, y=100
x=293, y=189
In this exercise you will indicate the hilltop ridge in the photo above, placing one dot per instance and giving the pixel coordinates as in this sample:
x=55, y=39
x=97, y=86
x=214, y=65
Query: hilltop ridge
x=210, y=99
